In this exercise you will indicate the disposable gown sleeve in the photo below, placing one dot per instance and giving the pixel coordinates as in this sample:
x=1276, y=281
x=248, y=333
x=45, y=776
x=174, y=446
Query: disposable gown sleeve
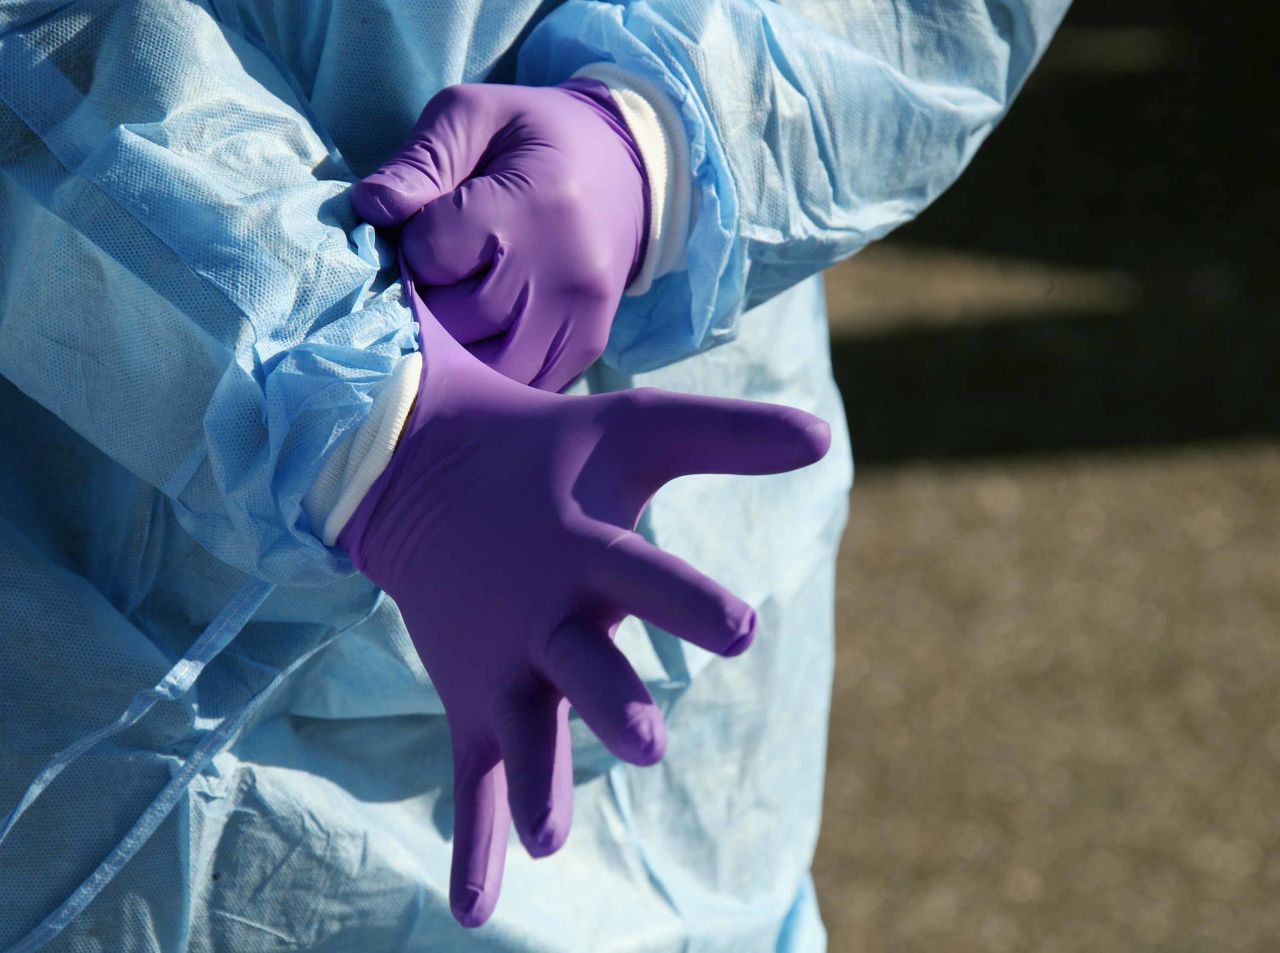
x=814, y=128
x=182, y=281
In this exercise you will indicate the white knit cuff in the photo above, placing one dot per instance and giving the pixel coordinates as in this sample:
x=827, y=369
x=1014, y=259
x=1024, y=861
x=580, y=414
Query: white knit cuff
x=660, y=136
x=355, y=466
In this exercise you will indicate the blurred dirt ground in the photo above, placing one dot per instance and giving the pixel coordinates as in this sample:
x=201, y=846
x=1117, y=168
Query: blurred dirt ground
x=1057, y=717
x=1056, y=723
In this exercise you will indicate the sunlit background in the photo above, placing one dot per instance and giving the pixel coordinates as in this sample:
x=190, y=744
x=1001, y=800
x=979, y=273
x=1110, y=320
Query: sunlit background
x=1057, y=707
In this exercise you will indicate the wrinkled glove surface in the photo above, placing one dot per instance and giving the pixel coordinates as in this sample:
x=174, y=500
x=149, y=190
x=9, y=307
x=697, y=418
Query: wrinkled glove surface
x=524, y=219
x=503, y=528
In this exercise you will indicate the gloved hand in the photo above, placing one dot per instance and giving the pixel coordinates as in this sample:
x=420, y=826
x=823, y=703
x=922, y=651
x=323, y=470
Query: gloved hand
x=533, y=221
x=503, y=529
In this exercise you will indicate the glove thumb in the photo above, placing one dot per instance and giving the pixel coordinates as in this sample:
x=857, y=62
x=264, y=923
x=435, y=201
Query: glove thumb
x=446, y=144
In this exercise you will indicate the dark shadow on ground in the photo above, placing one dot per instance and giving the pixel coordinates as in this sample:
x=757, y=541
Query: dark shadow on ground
x=1147, y=140
x=1146, y=144
x=1090, y=383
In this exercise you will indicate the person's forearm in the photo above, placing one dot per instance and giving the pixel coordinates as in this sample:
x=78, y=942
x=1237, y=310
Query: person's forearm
x=812, y=130
x=209, y=331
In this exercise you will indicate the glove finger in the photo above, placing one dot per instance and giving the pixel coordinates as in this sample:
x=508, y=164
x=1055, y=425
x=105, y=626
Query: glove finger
x=643, y=580
x=444, y=147
x=675, y=435
x=481, y=820
x=454, y=238
x=533, y=732
x=481, y=306
x=584, y=664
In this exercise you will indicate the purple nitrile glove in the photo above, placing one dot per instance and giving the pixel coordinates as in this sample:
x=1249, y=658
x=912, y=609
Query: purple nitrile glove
x=525, y=217
x=503, y=528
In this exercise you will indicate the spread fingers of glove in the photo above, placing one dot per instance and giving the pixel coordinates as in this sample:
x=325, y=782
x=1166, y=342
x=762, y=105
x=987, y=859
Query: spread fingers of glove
x=481, y=820
x=446, y=144
x=643, y=580
x=533, y=732
x=680, y=434
x=584, y=664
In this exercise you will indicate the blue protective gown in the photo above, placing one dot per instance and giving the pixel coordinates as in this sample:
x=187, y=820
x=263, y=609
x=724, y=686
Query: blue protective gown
x=213, y=734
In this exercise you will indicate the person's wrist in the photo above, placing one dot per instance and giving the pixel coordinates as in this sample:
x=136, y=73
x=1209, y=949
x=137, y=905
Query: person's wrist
x=354, y=466
x=657, y=130
x=601, y=98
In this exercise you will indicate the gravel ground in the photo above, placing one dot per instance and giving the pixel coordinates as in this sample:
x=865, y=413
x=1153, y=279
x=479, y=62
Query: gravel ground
x=1057, y=715
x=1056, y=721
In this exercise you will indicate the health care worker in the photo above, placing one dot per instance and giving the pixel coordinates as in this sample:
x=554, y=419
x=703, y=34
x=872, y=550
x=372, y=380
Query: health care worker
x=238, y=393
